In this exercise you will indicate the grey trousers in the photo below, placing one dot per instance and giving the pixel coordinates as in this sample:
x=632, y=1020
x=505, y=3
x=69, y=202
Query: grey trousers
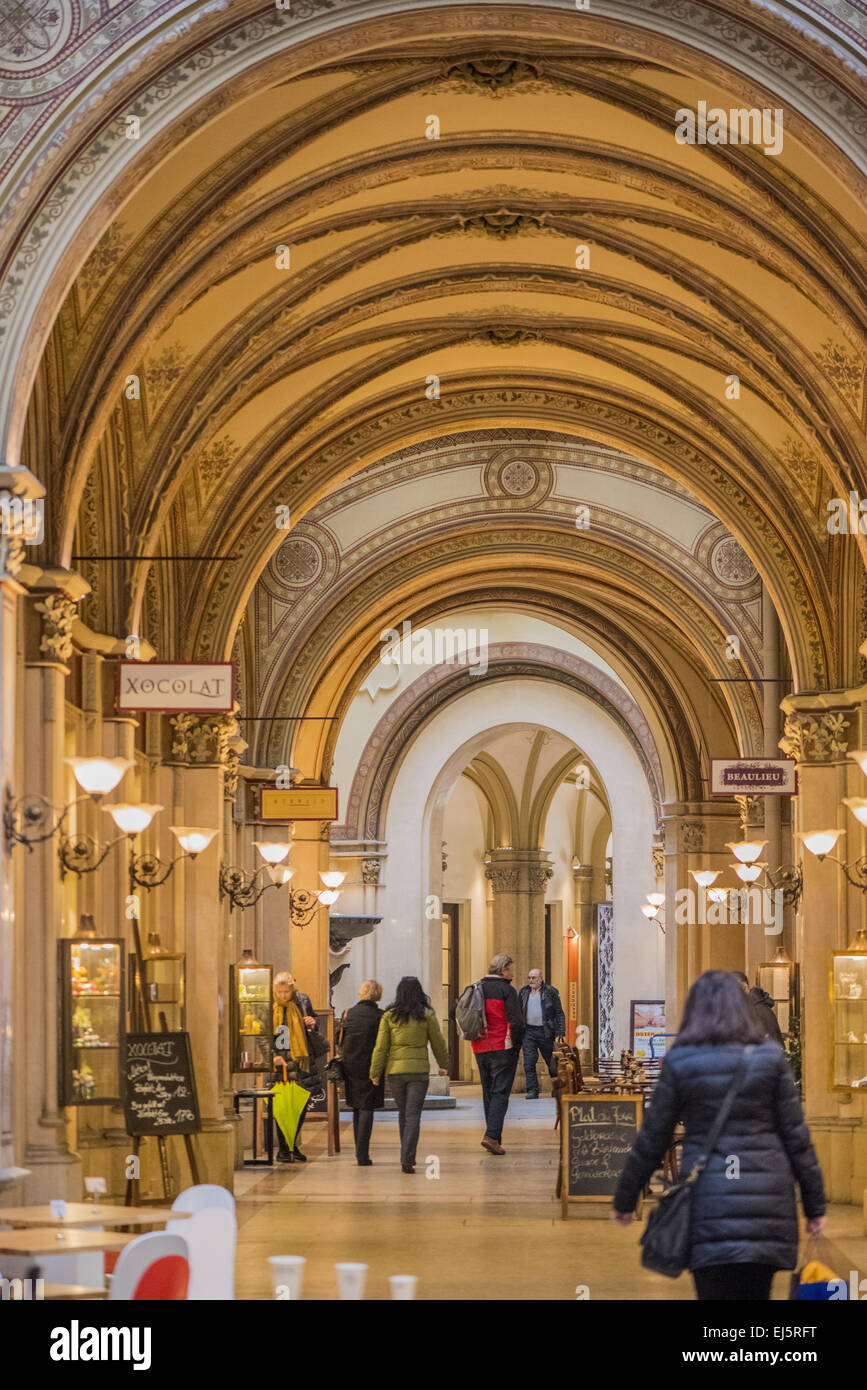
x=409, y=1090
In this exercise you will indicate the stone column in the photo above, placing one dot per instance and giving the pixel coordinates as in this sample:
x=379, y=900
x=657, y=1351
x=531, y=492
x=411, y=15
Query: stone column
x=12, y=552
x=831, y=911
x=196, y=785
x=48, y=646
x=309, y=943
x=519, y=878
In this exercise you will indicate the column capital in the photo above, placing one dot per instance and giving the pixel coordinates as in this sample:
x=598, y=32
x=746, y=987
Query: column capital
x=816, y=737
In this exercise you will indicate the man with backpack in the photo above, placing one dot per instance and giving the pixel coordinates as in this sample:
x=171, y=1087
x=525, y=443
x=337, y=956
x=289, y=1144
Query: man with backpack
x=489, y=1017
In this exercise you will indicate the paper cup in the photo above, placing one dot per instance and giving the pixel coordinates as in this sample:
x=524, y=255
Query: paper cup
x=403, y=1285
x=350, y=1280
x=287, y=1274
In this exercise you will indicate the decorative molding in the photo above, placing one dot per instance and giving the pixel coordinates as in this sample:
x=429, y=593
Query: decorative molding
x=605, y=968
x=752, y=810
x=502, y=879
x=370, y=871
x=58, y=615
x=692, y=837
x=657, y=855
x=203, y=739
x=378, y=762
x=815, y=738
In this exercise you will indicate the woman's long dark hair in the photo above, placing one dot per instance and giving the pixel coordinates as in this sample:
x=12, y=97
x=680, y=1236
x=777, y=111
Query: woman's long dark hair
x=410, y=1001
x=718, y=1011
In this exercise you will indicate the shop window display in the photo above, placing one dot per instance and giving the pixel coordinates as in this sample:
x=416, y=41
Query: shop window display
x=252, y=1015
x=849, y=1005
x=91, y=1020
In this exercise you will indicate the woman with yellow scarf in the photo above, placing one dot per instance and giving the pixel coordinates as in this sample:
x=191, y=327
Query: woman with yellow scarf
x=293, y=1016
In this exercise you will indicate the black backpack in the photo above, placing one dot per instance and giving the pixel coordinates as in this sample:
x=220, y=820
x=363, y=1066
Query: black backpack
x=470, y=1013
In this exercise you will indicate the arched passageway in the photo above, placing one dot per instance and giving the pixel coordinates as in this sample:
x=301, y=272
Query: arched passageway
x=329, y=332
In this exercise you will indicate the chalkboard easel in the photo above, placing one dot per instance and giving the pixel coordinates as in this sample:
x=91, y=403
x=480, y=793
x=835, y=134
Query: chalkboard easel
x=160, y=1099
x=596, y=1134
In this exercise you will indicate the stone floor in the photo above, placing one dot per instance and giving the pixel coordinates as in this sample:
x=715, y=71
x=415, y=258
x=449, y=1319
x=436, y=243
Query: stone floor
x=485, y=1228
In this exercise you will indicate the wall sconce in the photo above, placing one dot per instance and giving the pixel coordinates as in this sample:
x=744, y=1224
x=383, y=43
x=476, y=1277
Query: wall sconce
x=31, y=820
x=786, y=878
x=821, y=842
x=243, y=887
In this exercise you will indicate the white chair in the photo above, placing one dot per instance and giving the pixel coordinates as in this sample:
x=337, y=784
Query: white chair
x=204, y=1194
x=211, y=1233
x=152, y=1268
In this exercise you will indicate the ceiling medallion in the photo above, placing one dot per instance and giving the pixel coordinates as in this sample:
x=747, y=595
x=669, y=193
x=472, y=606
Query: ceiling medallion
x=502, y=224
x=492, y=73
x=298, y=562
x=518, y=478
x=730, y=562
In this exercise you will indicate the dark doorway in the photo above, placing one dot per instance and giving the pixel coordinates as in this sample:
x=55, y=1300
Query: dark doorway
x=547, y=969
x=451, y=985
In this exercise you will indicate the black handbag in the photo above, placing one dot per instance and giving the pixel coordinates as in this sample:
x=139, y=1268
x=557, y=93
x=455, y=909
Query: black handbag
x=665, y=1243
x=317, y=1044
x=335, y=1071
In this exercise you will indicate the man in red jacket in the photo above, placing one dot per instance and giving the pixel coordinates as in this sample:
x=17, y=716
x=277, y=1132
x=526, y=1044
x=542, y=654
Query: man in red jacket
x=498, y=1051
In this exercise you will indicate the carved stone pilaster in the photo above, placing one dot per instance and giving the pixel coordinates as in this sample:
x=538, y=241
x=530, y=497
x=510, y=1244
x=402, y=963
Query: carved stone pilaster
x=815, y=738
x=58, y=614
x=370, y=871
x=692, y=837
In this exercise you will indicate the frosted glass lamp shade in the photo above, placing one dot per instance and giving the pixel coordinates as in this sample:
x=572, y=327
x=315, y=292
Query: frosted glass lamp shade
x=132, y=820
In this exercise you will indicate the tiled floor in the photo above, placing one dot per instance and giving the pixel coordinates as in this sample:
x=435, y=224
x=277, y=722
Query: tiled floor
x=484, y=1228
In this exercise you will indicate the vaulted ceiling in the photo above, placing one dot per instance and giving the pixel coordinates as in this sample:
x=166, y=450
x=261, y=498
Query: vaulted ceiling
x=441, y=232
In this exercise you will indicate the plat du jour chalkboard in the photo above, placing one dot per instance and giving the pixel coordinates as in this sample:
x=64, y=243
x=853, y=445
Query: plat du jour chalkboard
x=597, y=1132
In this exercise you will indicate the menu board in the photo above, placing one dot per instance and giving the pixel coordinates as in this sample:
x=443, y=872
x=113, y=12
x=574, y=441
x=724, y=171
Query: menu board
x=597, y=1133
x=159, y=1085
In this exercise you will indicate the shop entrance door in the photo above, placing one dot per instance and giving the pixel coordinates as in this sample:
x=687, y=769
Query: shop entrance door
x=451, y=986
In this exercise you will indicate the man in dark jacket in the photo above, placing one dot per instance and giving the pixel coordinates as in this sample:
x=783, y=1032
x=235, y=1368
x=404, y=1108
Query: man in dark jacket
x=762, y=1006
x=358, y=1039
x=544, y=1022
x=497, y=1052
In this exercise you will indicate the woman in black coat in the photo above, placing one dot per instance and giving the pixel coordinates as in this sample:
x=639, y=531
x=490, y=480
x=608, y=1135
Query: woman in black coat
x=744, y=1219
x=360, y=1027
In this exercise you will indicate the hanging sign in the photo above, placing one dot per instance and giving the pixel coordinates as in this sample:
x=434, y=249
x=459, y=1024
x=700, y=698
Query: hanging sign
x=753, y=777
x=174, y=686
x=298, y=803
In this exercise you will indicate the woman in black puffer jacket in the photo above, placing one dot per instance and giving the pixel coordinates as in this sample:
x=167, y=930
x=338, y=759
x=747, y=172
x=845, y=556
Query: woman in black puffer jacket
x=744, y=1226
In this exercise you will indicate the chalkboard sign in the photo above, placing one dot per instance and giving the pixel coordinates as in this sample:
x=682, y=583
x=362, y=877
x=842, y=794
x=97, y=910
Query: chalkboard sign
x=159, y=1085
x=597, y=1133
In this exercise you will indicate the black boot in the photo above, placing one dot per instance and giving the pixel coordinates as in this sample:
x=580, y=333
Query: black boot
x=298, y=1156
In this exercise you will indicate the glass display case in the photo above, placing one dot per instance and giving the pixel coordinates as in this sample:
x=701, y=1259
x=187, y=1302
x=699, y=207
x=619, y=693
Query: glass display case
x=163, y=977
x=252, y=1002
x=92, y=1024
x=779, y=979
x=849, y=1019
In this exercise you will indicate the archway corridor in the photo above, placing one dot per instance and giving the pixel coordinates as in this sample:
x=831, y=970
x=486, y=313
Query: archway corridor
x=433, y=449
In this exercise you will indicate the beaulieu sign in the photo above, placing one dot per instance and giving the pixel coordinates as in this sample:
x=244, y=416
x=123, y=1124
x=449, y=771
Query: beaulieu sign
x=192, y=687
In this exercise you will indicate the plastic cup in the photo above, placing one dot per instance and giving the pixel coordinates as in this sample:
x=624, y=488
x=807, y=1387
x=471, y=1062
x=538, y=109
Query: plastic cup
x=351, y=1279
x=287, y=1274
x=403, y=1285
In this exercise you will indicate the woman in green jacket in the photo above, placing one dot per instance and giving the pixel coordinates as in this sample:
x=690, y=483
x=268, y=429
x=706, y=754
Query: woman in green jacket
x=407, y=1026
